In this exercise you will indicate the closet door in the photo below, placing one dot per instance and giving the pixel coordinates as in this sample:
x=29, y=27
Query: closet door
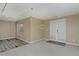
x=58, y=30
x=61, y=30
x=53, y=30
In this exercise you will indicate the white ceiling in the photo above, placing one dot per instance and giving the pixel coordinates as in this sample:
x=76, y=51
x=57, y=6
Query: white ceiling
x=16, y=11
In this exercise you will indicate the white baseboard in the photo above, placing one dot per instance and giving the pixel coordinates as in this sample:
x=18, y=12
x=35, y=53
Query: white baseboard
x=74, y=44
x=24, y=40
x=7, y=38
x=35, y=41
x=31, y=41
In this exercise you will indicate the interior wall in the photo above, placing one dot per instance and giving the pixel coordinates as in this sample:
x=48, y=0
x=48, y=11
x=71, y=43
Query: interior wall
x=45, y=26
x=25, y=35
x=36, y=29
x=27, y=28
x=7, y=30
x=73, y=29
x=12, y=29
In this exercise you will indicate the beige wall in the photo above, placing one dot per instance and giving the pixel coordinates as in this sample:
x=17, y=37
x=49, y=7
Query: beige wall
x=7, y=30
x=27, y=27
x=72, y=28
x=45, y=27
x=36, y=29
x=33, y=30
x=39, y=29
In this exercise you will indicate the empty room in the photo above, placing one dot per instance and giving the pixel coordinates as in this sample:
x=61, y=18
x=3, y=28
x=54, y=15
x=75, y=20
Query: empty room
x=39, y=29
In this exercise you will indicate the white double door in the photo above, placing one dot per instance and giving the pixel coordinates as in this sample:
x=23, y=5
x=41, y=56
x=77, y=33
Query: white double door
x=58, y=30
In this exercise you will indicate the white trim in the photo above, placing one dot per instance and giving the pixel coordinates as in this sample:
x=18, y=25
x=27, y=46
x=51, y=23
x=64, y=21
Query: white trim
x=74, y=44
x=24, y=40
x=7, y=38
x=35, y=41
x=31, y=41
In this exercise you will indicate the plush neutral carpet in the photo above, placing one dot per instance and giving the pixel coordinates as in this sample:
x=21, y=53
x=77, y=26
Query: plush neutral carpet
x=43, y=48
x=10, y=44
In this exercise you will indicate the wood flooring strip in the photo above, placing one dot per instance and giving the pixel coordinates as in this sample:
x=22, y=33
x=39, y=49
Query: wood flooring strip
x=5, y=45
x=22, y=42
x=2, y=47
x=18, y=43
x=15, y=44
x=10, y=44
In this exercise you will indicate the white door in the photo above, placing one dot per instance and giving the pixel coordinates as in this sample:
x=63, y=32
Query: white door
x=53, y=26
x=58, y=30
